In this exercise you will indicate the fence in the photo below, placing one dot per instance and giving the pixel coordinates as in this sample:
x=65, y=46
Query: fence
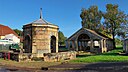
x=5, y=47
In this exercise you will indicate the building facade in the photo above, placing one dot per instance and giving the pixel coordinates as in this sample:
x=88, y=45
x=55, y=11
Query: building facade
x=40, y=37
x=89, y=40
x=5, y=30
x=125, y=45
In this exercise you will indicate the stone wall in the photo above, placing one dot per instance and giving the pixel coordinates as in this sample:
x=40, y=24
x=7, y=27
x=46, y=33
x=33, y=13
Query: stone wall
x=48, y=57
x=53, y=57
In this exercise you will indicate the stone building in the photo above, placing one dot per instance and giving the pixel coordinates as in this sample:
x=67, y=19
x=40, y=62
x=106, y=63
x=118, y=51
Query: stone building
x=88, y=40
x=125, y=45
x=40, y=37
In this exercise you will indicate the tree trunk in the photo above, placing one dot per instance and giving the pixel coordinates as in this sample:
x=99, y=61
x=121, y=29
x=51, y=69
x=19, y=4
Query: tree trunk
x=114, y=44
x=113, y=34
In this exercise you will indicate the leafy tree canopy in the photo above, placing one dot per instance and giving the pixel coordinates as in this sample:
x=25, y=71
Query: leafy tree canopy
x=19, y=32
x=115, y=21
x=91, y=18
x=61, y=38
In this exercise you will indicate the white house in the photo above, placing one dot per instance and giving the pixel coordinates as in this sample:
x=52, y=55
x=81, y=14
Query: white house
x=11, y=37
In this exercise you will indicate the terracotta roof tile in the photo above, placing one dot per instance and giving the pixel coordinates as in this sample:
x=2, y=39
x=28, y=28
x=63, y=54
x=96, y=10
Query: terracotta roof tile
x=4, y=30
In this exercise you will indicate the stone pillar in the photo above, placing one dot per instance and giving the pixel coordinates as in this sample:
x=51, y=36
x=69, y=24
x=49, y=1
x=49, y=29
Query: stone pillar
x=76, y=46
x=68, y=45
x=73, y=46
x=80, y=45
x=56, y=44
x=101, y=45
x=91, y=46
x=105, y=45
x=83, y=46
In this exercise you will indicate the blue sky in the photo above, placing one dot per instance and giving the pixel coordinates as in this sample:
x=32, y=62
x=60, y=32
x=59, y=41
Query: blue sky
x=64, y=13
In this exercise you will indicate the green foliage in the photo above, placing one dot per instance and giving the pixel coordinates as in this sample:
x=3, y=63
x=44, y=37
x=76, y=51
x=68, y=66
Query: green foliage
x=115, y=20
x=19, y=32
x=91, y=18
x=118, y=41
x=61, y=38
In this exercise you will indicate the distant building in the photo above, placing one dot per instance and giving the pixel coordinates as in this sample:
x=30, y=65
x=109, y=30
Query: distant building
x=13, y=38
x=5, y=30
x=88, y=40
x=40, y=37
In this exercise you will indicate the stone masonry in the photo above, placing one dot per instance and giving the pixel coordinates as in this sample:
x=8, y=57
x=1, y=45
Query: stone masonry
x=40, y=37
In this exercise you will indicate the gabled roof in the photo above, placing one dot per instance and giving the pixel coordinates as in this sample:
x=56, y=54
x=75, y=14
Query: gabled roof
x=91, y=31
x=4, y=30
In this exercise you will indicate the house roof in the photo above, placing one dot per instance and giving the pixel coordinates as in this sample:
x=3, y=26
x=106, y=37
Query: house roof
x=91, y=31
x=4, y=30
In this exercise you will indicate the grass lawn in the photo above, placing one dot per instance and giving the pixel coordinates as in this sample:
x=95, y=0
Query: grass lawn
x=111, y=56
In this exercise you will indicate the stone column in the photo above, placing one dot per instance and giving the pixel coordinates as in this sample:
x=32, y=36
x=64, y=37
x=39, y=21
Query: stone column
x=73, y=45
x=91, y=46
x=80, y=45
x=56, y=44
x=104, y=43
x=83, y=46
x=105, y=49
x=101, y=45
x=68, y=45
x=76, y=46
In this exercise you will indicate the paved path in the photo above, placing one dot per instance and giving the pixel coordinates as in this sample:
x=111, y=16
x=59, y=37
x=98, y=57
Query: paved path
x=93, y=67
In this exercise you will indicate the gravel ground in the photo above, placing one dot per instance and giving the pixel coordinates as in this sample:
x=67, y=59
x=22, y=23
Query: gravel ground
x=92, y=67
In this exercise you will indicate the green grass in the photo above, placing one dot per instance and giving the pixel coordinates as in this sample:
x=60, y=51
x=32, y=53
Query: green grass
x=118, y=46
x=111, y=56
x=62, y=49
x=101, y=58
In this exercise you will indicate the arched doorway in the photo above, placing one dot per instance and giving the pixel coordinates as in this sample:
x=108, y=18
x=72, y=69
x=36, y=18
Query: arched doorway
x=28, y=47
x=53, y=44
x=83, y=42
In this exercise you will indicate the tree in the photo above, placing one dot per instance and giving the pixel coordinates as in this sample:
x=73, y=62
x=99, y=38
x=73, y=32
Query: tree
x=19, y=32
x=61, y=38
x=114, y=21
x=118, y=41
x=91, y=18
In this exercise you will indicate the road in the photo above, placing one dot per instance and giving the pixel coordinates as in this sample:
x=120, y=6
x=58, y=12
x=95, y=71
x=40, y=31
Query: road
x=93, y=67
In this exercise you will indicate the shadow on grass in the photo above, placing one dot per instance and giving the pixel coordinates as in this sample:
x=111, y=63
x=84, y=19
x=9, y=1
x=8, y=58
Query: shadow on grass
x=119, y=47
x=115, y=52
x=111, y=54
x=83, y=55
